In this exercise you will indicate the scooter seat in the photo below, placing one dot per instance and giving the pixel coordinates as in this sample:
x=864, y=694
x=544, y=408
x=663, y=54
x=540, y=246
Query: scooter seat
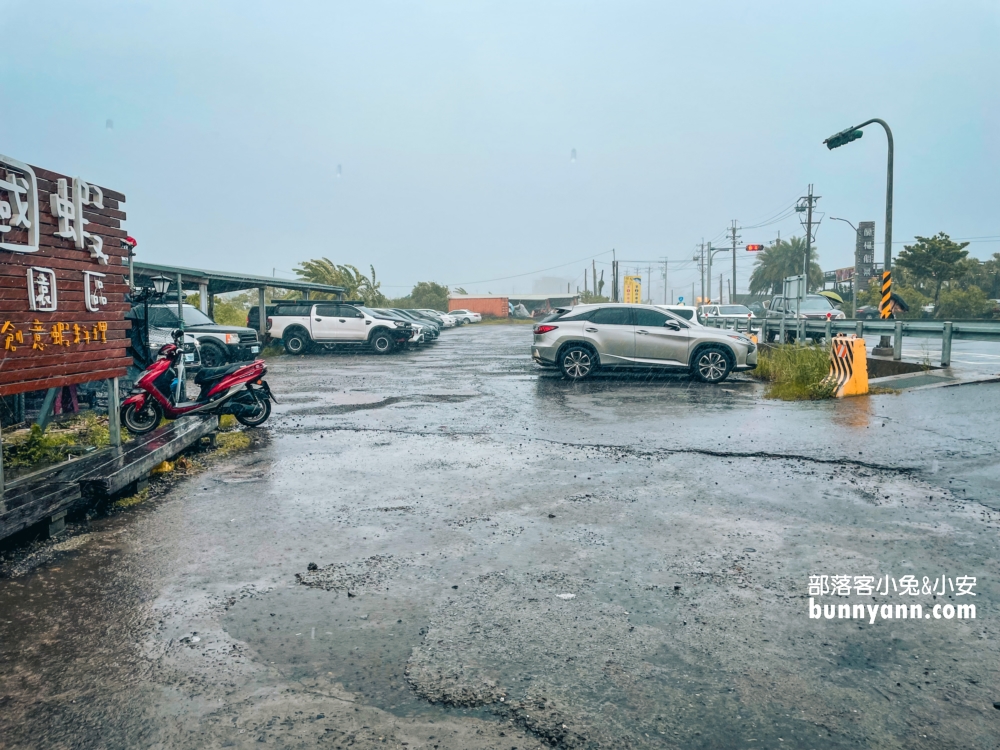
x=208, y=374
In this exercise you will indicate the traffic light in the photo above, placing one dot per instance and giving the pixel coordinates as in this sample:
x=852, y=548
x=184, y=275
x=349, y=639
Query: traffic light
x=843, y=138
x=754, y=248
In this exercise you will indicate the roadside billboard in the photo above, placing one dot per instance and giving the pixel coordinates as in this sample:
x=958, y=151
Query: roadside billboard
x=633, y=290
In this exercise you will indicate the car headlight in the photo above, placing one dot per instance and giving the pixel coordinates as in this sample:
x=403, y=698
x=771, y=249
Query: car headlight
x=742, y=339
x=398, y=323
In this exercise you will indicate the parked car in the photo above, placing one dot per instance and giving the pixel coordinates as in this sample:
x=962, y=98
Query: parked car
x=867, y=312
x=431, y=329
x=219, y=344
x=143, y=355
x=467, y=316
x=812, y=307
x=582, y=339
x=682, y=311
x=757, y=309
x=448, y=320
x=419, y=333
x=301, y=329
x=725, y=312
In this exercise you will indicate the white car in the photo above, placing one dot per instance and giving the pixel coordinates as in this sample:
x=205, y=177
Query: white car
x=447, y=320
x=682, y=311
x=467, y=315
x=725, y=312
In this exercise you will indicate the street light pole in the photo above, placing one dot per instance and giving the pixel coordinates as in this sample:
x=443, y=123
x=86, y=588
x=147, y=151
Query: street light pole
x=854, y=277
x=840, y=139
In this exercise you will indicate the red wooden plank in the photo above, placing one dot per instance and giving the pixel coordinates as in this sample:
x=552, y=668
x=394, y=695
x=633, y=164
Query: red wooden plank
x=119, y=371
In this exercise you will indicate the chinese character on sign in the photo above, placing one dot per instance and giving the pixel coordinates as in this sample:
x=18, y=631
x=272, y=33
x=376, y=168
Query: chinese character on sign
x=42, y=289
x=18, y=205
x=93, y=290
x=58, y=334
x=12, y=336
x=69, y=212
x=36, y=330
x=80, y=334
x=869, y=231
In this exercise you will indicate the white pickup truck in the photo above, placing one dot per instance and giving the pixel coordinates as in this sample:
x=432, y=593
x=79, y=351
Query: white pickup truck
x=302, y=328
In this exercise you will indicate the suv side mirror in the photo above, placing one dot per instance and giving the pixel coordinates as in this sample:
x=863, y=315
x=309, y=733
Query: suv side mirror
x=359, y=314
x=673, y=325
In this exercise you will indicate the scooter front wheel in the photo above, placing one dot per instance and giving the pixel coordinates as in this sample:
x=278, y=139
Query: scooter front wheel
x=141, y=419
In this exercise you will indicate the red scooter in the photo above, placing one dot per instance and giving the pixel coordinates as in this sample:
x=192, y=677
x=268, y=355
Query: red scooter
x=237, y=389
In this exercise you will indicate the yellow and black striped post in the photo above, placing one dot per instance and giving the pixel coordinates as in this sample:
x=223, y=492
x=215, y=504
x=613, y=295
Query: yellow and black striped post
x=848, y=366
x=884, y=308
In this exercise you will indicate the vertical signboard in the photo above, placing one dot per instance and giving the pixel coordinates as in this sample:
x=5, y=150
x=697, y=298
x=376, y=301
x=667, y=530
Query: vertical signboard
x=633, y=290
x=62, y=287
x=864, y=253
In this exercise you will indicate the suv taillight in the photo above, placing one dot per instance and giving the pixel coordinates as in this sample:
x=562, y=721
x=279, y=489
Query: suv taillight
x=544, y=328
x=269, y=323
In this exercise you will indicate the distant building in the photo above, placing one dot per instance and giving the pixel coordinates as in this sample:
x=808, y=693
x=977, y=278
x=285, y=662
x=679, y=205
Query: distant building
x=499, y=305
x=487, y=305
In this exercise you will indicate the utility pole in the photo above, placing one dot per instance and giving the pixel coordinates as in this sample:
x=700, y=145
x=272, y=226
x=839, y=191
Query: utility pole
x=665, y=281
x=733, y=229
x=810, y=201
x=614, y=276
x=701, y=271
x=649, y=277
x=593, y=270
x=720, y=288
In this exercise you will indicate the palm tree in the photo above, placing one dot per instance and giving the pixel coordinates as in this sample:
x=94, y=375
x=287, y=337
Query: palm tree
x=779, y=261
x=356, y=285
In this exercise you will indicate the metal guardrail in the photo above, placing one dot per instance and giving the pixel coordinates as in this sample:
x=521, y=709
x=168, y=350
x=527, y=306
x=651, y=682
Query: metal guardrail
x=801, y=329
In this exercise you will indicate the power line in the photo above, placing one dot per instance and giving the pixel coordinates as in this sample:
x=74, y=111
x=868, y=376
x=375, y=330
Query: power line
x=530, y=273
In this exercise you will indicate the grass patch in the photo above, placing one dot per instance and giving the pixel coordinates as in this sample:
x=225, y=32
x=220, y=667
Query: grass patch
x=32, y=448
x=273, y=349
x=230, y=442
x=227, y=423
x=795, y=373
x=131, y=500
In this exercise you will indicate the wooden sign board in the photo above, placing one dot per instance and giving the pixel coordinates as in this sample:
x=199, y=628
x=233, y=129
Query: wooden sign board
x=62, y=282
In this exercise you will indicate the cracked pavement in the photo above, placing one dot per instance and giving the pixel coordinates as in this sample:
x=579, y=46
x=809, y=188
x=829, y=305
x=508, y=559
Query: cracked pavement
x=501, y=559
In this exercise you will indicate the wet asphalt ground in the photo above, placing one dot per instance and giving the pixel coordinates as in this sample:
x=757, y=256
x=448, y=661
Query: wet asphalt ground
x=450, y=548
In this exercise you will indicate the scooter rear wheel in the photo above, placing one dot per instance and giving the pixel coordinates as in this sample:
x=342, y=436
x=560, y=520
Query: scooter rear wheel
x=259, y=416
x=139, y=421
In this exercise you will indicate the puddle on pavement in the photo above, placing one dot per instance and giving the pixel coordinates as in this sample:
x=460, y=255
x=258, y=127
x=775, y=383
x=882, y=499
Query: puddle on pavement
x=362, y=642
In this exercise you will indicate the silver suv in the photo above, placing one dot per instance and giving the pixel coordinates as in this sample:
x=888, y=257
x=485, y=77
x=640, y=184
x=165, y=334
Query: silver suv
x=582, y=339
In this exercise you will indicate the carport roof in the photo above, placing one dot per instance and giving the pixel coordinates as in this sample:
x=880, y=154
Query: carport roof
x=220, y=282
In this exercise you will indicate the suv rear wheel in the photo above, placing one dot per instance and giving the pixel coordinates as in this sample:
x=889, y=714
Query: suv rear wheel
x=711, y=365
x=296, y=342
x=577, y=362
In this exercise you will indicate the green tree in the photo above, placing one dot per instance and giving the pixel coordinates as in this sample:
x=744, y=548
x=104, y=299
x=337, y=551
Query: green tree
x=963, y=303
x=356, y=285
x=933, y=261
x=775, y=263
x=429, y=295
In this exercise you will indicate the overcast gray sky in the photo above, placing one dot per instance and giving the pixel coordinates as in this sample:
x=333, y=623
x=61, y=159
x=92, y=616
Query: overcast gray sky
x=452, y=124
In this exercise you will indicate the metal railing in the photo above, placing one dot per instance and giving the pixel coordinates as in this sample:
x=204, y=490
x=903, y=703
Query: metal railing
x=946, y=330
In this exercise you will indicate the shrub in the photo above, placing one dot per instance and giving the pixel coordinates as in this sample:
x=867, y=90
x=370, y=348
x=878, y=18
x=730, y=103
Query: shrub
x=795, y=372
